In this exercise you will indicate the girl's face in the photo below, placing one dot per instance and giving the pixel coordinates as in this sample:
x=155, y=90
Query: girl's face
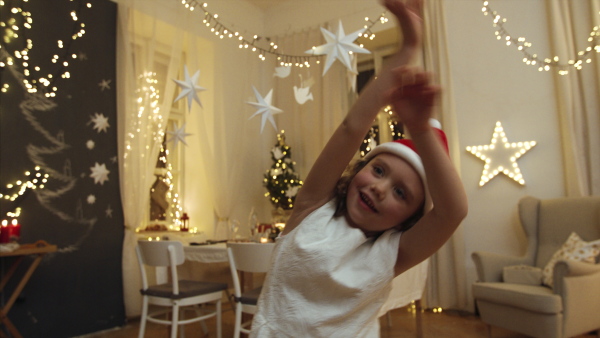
x=383, y=194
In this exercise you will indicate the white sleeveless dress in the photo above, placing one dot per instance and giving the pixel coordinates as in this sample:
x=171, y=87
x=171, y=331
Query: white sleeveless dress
x=326, y=280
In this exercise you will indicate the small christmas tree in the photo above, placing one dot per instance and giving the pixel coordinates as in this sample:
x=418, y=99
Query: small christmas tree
x=281, y=181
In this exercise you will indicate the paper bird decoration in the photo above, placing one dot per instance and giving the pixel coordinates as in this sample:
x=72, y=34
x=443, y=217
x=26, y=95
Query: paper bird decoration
x=265, y=108
x=338, y=46
x=283, y=71
x=189, y=88
x=179, y=135
x=302, y=93
x=500, y=156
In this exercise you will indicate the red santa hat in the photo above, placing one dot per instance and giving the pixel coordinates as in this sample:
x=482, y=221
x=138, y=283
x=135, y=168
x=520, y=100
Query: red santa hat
x=405, y=149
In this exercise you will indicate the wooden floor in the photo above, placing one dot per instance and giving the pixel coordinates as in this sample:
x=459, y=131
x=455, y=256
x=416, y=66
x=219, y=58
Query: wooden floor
x=447, y=324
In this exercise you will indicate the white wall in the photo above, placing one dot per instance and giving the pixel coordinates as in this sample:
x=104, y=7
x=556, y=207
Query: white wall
x=491, y=83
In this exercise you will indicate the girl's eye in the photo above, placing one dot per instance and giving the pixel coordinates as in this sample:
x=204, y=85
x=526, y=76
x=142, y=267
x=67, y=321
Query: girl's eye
x=400, y=192
x=378, y=170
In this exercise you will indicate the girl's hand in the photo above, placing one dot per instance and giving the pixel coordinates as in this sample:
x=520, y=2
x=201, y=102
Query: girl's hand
x=414, y=97
x=408, y=15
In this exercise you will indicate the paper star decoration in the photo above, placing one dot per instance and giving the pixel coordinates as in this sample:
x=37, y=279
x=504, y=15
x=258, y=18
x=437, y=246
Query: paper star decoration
x=265, y=108
x=500, y=156
x=99, y=173
x=108, y=212
x=91, y=199
x=189, y=88
x=338, y=46
x=104, y=84
x=100, y=122
x=179, y=135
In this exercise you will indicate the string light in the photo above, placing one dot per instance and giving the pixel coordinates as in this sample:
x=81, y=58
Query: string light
x=500, y=156
x=35, y=180
x=544, y=64
x=15, y=28
x=215, y=25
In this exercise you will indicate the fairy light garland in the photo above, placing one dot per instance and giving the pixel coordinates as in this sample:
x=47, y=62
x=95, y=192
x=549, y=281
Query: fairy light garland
x=212, y=22
x=34, y=180
x=533, y=59
x=14, y=31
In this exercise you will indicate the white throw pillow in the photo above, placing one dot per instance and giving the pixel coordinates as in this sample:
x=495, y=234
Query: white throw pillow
x=573, y=249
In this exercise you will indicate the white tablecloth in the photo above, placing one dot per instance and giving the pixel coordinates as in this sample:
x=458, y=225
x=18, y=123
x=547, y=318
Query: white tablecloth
x=407, y=287
x=213, y=253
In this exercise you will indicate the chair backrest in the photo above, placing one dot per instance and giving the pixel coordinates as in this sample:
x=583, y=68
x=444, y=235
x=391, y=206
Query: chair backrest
x=160, y=254
x=156, y=253
x=557, y=218
x=250, y=257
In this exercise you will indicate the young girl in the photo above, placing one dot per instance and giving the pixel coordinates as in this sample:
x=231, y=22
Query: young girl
x=347, y=238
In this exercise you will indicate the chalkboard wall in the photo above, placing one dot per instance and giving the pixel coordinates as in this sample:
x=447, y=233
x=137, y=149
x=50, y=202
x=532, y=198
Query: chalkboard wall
x=72, y=137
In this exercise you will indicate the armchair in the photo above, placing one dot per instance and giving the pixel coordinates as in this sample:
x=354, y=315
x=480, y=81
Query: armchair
x=570, y=305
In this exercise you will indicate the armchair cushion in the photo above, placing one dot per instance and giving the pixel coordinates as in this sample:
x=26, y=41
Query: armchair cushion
x=538, y=299
x=522, y=274
x=573, y=249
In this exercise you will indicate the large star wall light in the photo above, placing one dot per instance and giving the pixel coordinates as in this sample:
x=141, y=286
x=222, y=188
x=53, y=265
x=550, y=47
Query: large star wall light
x=500, y=156
x=338, y=46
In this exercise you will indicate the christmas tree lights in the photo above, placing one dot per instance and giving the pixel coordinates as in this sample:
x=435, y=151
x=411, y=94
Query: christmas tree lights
x=281, y=181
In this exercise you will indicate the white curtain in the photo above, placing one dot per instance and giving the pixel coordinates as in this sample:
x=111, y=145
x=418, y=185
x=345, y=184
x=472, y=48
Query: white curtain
x=578, y=93
x=141, y=126
x=163, y=37
x=309, y=126
x=446, y=285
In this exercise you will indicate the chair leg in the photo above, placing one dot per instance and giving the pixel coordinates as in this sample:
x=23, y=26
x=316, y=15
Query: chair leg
x=219, y=318
x=238, y=320
x=144, y=317
x=174, y=320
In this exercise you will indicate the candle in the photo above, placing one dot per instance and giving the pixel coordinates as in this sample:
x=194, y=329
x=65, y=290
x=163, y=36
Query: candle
x=4, y=232
x=15, y=231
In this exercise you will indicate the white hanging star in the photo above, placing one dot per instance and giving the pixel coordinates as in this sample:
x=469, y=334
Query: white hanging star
x=338, y=47
x=179, y=135
x=104, y=84
x=100, y=122
x=265, y=108
x=99, y=173
x=500, y=156
x=189, y=88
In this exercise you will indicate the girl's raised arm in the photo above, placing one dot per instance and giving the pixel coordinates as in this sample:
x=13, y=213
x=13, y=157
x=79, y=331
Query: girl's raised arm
x=319, y=185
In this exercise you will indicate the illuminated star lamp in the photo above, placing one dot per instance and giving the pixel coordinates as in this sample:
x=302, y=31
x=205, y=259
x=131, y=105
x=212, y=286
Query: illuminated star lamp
x=500, y=156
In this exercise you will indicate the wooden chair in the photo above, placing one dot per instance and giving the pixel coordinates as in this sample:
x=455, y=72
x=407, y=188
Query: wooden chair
x=177, y=295
x=253, y=258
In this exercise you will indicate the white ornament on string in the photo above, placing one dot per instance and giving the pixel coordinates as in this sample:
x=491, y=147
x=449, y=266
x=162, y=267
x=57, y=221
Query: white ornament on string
x=265, y=108
x=189, y=88
x=302, y=93
x=179, y=135
x=338, y=46
x=283, y=71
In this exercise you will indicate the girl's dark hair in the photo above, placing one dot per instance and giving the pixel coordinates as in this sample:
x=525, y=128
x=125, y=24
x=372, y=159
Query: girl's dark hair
x=342, y=190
